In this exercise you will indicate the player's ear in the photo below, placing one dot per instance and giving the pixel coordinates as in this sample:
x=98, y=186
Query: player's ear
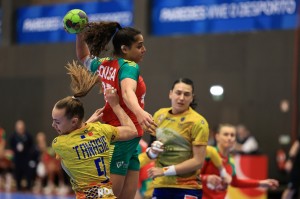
x=217, y=136
x=75, y=120
x=124, y=49
x=170, y=94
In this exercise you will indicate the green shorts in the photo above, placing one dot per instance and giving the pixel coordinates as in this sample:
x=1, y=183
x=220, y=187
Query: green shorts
x=125, y=156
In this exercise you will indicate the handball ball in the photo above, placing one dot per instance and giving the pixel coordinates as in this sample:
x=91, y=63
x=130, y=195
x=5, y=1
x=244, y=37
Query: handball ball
x=75, y=20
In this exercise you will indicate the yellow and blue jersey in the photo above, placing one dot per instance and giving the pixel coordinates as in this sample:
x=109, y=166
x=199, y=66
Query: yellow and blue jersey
x=84, y=154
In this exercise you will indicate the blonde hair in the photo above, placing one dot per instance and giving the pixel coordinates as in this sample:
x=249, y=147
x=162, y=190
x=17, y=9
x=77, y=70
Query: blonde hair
x=82, y=81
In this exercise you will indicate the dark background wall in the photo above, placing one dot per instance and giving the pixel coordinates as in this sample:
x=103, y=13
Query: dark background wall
x=254, y=68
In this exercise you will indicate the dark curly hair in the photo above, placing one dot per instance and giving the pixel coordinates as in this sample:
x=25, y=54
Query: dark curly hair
x=98, y=34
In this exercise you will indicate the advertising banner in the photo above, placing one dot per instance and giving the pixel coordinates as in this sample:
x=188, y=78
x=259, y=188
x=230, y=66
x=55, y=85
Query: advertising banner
x=43, y=24
x=177, y=17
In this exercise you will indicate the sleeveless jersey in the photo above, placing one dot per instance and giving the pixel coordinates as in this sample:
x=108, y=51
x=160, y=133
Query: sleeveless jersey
x=84, y=154
x=179, y=133
x=112, y=72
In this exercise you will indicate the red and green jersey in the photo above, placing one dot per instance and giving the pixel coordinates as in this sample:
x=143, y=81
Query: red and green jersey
x=111, y=72
x=228, y=163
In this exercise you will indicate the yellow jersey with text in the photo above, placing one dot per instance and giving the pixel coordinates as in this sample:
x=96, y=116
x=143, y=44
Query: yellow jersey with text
x=179, y=133
x=84, y=155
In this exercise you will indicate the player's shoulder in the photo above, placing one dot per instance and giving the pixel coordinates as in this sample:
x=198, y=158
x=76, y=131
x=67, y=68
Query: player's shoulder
x=125, y=62
x=196, y=118
x=211, y=148
x=195, y=114
x=104, y=59
x=57, y=140
x=97, y=126
x=231, y=159
x=162, y=111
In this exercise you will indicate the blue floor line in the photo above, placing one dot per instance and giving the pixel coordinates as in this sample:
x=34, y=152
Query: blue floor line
x=31, y=196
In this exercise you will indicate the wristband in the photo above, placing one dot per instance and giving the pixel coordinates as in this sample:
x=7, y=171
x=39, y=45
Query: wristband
x=150, y=154
x=169, y=171
x=223, y=173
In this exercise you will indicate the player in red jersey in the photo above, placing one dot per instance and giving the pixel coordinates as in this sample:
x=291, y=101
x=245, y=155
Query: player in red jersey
x=213, y=187
x=122, y=72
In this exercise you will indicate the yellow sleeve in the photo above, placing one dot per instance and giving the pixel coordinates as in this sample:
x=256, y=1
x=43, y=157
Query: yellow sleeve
x=214, y=156
x=144, y=159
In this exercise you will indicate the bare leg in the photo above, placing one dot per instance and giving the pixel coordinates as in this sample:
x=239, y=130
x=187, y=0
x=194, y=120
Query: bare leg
x=117, y=183
x=130, y=185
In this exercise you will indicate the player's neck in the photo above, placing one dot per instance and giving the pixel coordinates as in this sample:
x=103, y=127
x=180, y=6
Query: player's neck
x=223, y=151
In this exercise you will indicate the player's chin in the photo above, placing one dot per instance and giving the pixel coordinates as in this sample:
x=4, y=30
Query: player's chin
x=140, y=59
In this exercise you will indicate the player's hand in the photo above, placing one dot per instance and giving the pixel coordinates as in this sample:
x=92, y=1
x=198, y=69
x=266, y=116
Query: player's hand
x=155, y=172
x=269, y=183
x=112, y=97
x=146, y=121
x=213, y=181
x=97, y=116
x=157, y=147
x=227, y=179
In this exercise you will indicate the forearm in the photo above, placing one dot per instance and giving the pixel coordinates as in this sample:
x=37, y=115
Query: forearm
x=195, y=163
x=188, y=166
x=123, y=117
x=131, y=101
x=82, y=50
x=244, y=183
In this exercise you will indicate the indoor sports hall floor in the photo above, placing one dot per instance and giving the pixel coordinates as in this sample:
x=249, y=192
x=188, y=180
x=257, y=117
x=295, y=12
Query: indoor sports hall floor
x=31, y=196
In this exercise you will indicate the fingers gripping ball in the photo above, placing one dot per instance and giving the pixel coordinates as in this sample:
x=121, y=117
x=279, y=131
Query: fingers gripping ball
x=75, y=20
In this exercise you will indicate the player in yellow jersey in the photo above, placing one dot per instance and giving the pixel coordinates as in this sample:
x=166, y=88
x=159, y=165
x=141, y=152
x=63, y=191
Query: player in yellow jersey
x=184, y=134
x=211, y=154
x=84, y=147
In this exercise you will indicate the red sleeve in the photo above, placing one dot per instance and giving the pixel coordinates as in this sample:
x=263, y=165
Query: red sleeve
x=244, y=183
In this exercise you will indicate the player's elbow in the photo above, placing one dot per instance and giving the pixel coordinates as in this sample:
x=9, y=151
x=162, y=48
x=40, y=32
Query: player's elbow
x=132, y=131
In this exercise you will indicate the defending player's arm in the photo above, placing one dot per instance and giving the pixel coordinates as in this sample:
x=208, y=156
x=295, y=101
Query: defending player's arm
x=97, y=115
x=127, y=130
x=187, y=166
x=151, y=153
x=252, y=183
x=199, y=135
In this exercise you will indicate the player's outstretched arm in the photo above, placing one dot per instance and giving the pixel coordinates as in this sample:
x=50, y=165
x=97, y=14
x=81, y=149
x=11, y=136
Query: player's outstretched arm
x=97, y=115
x=269, y=183
x=82, y=50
